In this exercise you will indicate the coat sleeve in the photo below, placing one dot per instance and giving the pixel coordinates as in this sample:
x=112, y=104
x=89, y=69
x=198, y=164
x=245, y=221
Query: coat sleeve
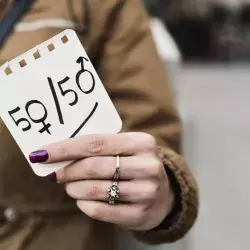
x=136, y=81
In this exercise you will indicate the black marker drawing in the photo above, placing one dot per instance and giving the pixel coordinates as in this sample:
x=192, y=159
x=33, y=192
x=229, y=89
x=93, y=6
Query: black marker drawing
x=58, y=108
x=17, y=122
x=41, y=120
x=80, y=60
x=63, y=91
x=85, y=121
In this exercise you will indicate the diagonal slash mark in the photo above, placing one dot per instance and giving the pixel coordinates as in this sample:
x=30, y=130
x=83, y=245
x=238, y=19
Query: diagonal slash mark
x=58, y=108
x=85, y=121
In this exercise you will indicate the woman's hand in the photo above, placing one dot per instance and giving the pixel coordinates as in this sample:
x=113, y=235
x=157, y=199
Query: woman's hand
x=145, y=193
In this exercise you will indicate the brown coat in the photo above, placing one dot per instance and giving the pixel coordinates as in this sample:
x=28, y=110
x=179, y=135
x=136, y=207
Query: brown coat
x=116, y=32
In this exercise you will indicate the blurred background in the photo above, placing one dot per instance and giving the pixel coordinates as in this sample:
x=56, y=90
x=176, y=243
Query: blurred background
x=205, y=45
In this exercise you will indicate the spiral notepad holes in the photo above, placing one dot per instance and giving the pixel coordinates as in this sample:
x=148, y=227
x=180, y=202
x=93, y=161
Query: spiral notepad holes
x=51, y=47
x=36, y=55
x=8, y=71
x=65, y=39
x=22, y=63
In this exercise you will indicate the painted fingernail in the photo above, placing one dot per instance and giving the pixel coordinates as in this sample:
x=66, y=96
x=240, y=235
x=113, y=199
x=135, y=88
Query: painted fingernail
x=39, y=156
x=52, y=177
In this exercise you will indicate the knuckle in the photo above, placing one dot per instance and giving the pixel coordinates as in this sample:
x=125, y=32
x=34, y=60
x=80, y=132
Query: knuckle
x=156, y=169
x=90, y=166
x=150, y=192
x=94, y=191
x=153, y=190
x=125, y=194
x=96, y=145
x=148, y=205
x=149, y=142
x=97, y=213
x=63, y=151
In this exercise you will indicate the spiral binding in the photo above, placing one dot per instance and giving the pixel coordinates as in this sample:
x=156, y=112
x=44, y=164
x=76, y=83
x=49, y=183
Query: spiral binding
x=36, y=55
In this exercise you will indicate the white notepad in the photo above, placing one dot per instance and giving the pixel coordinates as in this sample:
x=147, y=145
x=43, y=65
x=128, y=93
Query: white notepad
x=51, y=93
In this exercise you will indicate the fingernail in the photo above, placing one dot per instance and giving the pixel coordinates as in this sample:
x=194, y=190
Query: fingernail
x=39, y=156
x=52, y=177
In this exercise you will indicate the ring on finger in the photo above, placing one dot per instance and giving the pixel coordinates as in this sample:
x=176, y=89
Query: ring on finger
x=113, y=191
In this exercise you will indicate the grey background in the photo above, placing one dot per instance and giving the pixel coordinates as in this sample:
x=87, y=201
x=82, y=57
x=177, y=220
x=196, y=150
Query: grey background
x=214, y=102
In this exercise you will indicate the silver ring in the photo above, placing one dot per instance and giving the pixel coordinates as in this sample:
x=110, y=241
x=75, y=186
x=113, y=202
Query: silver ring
x=113, y=191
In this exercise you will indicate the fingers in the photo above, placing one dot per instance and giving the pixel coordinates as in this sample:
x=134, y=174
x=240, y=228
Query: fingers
x=103, y=168
x=95, y=145
x=123, y=214
x=134, y=192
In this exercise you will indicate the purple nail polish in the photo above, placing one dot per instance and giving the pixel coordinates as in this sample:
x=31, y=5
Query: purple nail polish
x=39, y=156
x=52, y=177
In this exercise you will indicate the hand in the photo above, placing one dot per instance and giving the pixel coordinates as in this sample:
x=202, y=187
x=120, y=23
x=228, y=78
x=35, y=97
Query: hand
x=145, y=194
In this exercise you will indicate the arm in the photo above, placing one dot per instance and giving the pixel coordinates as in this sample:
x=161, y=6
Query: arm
x=135, y=79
